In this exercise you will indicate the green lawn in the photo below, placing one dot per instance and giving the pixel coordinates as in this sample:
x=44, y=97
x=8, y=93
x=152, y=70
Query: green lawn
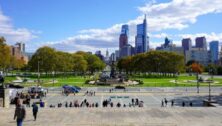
x=148, y=82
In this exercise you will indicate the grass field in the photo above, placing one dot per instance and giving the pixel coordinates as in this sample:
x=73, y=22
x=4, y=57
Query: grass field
x=181, y=81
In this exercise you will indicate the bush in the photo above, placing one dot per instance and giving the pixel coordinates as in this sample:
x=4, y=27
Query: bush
x=87, y=81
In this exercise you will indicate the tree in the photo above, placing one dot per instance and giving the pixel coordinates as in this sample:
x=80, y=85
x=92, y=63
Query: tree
x=63, y=62
x=16, y=63
x=4, y=54
x=94, y=63
x=45, y=57
x=197, y=68
x=79, y=63
x=160, y=62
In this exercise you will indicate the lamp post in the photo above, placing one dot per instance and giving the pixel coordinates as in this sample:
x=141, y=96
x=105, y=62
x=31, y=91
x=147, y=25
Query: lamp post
x=211, y=73
x=176, y=75
x=197, y=74
x=38, y=73
x=53, y=74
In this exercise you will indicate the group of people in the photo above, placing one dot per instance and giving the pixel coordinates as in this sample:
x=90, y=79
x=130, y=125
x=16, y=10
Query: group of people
x=90, y=93
x=76, y=104
x=165, y=101
x=20, y=112
x=133, y=103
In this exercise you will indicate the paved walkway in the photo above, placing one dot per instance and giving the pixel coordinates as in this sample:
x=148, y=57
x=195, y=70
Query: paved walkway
x=118, y=117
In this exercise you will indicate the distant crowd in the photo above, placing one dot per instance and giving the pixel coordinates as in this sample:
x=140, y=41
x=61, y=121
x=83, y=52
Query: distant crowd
x=164, y=103
x=105, y=103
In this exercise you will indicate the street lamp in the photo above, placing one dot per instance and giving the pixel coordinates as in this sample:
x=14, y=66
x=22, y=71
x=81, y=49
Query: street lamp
x=38, y=73
x=197, y=74
x=211, y=73
x=176, y=77
x=53, y=74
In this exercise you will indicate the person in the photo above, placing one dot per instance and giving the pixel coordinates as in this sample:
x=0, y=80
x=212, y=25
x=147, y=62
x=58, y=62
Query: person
x=191, y=104
x=66, y=104
x=183, y=104
x=28, y=99
x=162, y=103
x=20, y=113
x=172, y=103
x=34, y=110
x=166, y=101
x=41, y=103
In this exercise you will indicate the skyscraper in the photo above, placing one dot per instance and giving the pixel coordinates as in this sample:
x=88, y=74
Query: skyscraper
x=125, y=30
x=201, y=42
x=123, y=38
x=141, y=40
x=126, y=50
x=214, y=54
x=186, y=44
x=21, y=46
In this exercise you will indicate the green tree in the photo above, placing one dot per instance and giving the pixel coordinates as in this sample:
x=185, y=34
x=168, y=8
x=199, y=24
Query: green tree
x=45, y=57
x=79, y=63
x=94, y=63
x=4, y=54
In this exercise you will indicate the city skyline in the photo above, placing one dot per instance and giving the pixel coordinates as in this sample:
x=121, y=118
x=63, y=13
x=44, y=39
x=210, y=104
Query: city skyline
x=71, y=28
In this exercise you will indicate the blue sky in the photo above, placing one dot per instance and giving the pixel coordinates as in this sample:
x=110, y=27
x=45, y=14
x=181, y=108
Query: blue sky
x=90, y=25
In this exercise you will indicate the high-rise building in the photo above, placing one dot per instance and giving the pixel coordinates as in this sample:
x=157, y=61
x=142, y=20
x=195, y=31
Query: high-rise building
x=214, y=54
x=125, y=30
x=117, y=54
x=99, y=54
x=21, y=46
x=18, y=51
x=198, y=54
x=126, y=50
x=123, y=40
x=142, y=40
x=107, y=53
x=201, y=42
x=186, y=44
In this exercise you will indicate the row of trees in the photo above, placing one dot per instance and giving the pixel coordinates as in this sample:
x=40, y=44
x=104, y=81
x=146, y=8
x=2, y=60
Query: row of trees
x=153, y=61
x=7, y=60
x=47, y=60
x=195, y=66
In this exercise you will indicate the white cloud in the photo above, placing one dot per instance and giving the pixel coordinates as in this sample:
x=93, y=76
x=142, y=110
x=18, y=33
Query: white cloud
x=177, y=14
x=13, y=34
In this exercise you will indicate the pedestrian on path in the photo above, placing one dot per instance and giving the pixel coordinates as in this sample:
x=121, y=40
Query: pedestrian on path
x=20, y=113
x=34, y=111
x=162, y=103
x=183, y=104
x=172, y=103
x=165, y=101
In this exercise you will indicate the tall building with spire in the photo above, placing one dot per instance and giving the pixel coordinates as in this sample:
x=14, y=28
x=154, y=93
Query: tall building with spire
x=123, y=38
x=142, y=39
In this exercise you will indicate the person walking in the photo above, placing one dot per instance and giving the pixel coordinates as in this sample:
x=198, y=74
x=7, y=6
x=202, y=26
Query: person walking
x=165, y=101
x=34, y=111
x=172, y=103
x=20, y=113
x=162, y=103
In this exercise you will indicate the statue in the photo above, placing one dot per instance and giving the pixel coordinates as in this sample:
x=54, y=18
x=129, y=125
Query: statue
x=113, y=72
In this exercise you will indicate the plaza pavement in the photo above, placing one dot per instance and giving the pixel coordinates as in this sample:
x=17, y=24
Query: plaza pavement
x=151, y=97
x=149, y=115
x=175, y=116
